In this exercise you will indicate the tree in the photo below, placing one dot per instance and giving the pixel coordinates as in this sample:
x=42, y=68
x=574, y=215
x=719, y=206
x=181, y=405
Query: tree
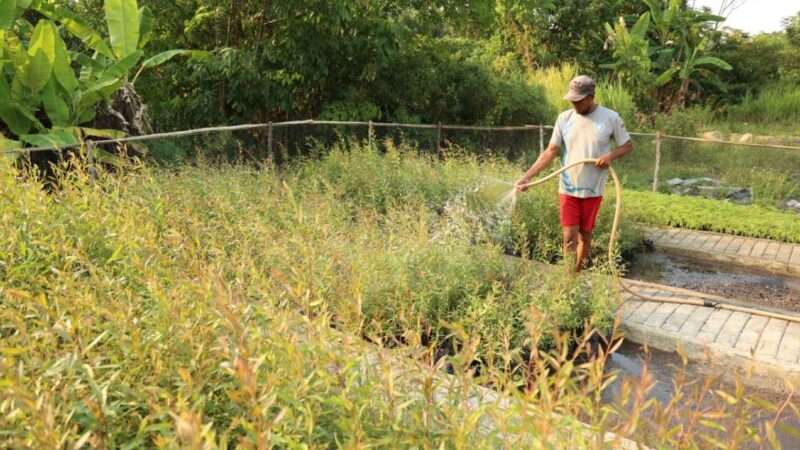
x=272, y=59
x=790, y=68
x=677, y=46
x=550, y=33
x=44, y=99
x=756, y=61
x=695, y=62
x=631, y=52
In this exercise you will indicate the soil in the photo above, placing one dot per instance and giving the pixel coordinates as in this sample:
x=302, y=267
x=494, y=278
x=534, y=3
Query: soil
x=743, y=284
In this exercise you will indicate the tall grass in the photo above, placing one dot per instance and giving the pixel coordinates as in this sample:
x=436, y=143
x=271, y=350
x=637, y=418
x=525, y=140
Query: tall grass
x=615, y=96
x=193, y=307
x=555, y=82
x=774, y=104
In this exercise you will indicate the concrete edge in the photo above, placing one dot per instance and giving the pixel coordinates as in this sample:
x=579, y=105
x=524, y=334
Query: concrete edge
x=716, y=298
x=745, y=261
x=761, y=373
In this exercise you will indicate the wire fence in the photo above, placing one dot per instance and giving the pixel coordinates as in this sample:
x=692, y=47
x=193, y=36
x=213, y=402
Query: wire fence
x=658, y=157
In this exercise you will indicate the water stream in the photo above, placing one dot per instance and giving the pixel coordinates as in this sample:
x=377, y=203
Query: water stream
x=738, y=283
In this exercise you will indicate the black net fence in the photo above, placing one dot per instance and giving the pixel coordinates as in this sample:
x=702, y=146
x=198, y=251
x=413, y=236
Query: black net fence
x=287, y=142
x=733, y=171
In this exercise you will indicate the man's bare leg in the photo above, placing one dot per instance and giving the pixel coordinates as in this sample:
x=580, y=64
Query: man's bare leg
x=571, y=239
x=584, y=248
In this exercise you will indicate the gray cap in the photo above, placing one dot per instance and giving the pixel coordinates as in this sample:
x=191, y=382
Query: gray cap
x=580, y=87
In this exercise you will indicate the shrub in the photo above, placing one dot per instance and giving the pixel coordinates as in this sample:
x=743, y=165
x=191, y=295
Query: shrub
x=160, y=308
x=713, y=215
x=776, y=103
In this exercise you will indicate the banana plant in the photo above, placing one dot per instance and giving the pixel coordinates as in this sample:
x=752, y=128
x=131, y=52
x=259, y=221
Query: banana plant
x=631, y=51
x=664, y=52
x=695, y=62
x=44, y=100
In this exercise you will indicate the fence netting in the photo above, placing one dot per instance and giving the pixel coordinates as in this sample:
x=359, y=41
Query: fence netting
x=725, y=170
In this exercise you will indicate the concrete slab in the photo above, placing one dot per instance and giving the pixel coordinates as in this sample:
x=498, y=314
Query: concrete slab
x=780, y=257
x=767, y=346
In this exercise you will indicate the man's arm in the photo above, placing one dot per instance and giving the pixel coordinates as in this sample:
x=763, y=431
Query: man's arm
x=605, y=161
x=551, y=152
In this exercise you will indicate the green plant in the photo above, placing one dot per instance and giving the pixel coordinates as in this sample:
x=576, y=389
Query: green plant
x=694, y=64
x=665, y=52
x=773, y=104
x=194, y=307
x=616, y=96
x=49, y=94
x=631, y=52
x=713, y=215
x=537, y=226
x=688, y=122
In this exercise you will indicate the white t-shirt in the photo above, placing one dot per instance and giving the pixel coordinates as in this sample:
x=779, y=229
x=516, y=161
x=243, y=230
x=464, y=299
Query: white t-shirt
x=583, y=137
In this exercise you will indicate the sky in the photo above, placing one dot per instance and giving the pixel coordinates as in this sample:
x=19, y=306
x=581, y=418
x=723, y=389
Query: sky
x=755, y=16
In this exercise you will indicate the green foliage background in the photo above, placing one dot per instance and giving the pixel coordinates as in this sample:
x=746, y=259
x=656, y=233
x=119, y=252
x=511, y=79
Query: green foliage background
x=482, y=62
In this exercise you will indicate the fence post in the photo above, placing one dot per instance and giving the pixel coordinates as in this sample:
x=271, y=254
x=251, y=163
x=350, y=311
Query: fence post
x=439, y=139
x=370, y=132
x=90, y=155
x=541, y=139
x=269, y=140
x=658, y=161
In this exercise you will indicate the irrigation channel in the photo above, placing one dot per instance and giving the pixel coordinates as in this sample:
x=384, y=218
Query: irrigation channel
x=492, y=203
x=629, y=361
x=748, y=285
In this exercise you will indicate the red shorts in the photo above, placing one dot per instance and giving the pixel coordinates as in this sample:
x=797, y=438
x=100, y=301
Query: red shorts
x=579, y=212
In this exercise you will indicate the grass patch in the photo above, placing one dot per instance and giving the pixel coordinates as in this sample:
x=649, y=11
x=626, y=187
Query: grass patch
x=154, y=307
x=773, y=174
x=774, y=104
x=713, y=215
x=365, y=178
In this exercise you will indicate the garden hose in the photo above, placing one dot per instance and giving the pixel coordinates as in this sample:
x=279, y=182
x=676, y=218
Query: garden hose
x=613, y=241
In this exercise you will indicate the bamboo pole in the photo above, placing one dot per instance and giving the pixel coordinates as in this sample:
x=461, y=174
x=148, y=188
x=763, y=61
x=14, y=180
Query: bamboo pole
x=438, y=127
x=439, y=140
x=90, y=155
x=741, y=144
x=270, y=140
x=658, y=162
x=541, y=139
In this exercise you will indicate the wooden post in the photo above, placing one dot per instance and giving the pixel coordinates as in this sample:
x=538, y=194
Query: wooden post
x=541, y=139
x=439, y=139
x=269, y=140
x=658, y=161
x=90, y=155
x=370, y=132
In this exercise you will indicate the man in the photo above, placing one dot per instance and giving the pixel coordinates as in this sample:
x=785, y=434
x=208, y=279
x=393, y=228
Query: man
x=583, y=132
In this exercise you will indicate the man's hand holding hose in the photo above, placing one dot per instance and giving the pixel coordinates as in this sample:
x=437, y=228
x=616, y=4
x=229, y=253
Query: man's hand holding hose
x=544, y=160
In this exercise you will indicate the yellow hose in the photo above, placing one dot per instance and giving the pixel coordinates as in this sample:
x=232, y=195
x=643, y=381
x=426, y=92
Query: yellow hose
x=613, y=241
x=617, y=207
